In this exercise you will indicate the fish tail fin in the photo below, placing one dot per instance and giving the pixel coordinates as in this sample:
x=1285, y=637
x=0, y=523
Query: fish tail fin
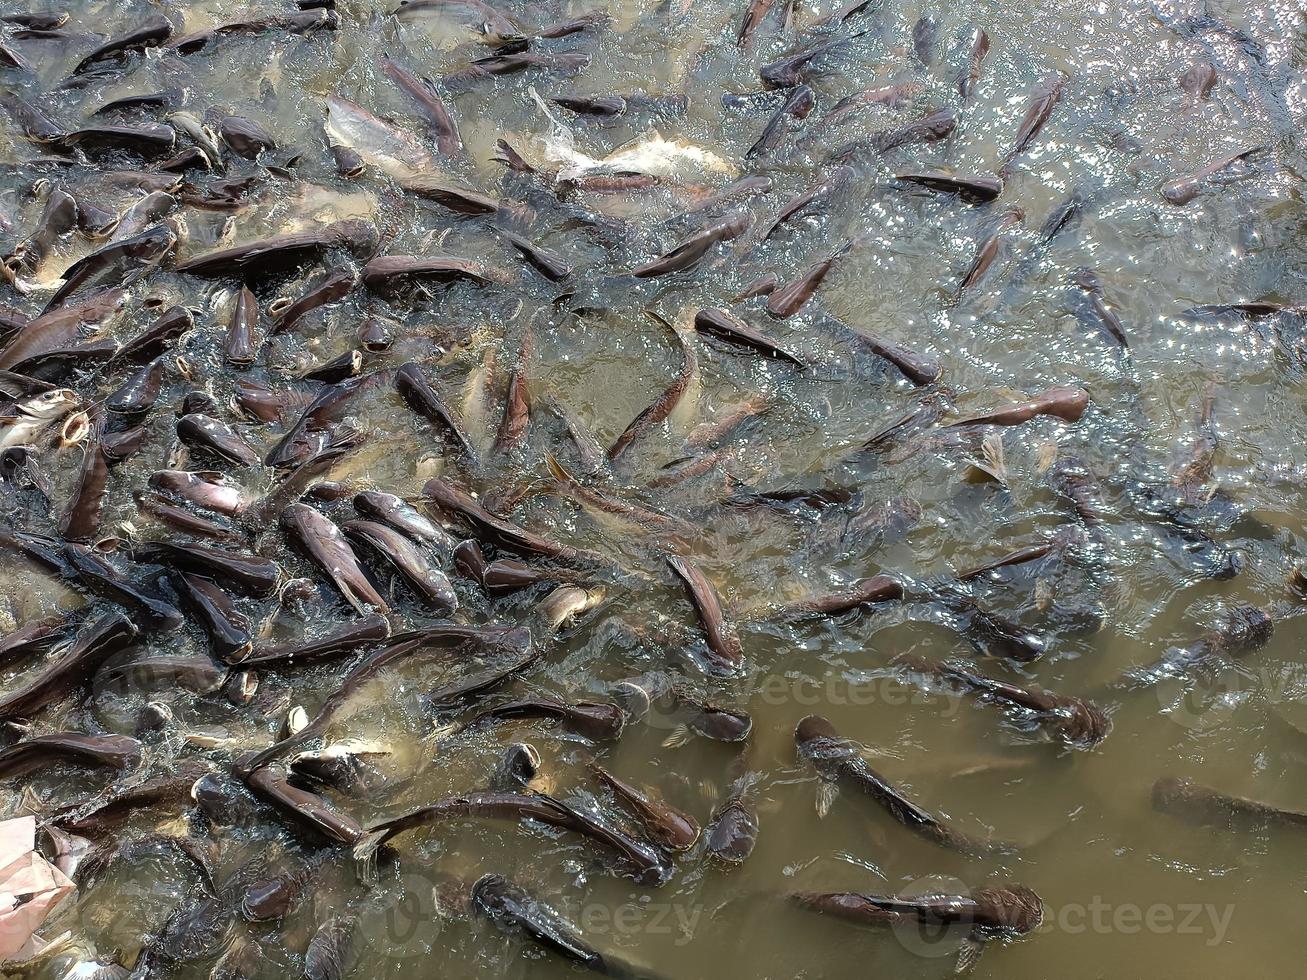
x=677, y=737
x=558, y=471
x=365, y=853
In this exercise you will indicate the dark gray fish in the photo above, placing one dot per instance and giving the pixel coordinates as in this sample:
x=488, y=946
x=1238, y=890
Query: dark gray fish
x=596, y=720
x=391, y=275
x=420, y=395
x=797, y=105
x=925, y=39
x=398, y=513
x=239, y=348
x=792, y=297
x=437, y=114
x=214, y=438
x=864, y=592
x=147, y=607
x=639, y=859
x=1046, y=96
x=723, y=642
x=515, y=912
x=1080, y=724
x=383, y=540
x=75, y=748
x=690, y=251
x=1204, y=805
x=331, y=953
x=734, y=331
x=252, y=574
x=1011, y=217
x=321, y=541
x=1184, y=189
x=150, y=33
x=245, y=137
x=227, y=627
x=73, y=668
x=269, y=257
x=1092, y=308
x=330, y=287
x=116, y=264
x=838, y=759
x=343, y=641
x=975, y=188
x=1001, y=912
x=796, y=68
x=157, y=338
x=665, y=824
x=977, y=49
x=271, y=782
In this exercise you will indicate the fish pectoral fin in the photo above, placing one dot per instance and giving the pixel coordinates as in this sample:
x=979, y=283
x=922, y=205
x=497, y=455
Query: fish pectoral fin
x=677, y=737
x=827, y=790
x=968, y=956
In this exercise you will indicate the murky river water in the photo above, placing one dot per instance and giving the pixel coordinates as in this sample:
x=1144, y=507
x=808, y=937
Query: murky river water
x=1128, y=891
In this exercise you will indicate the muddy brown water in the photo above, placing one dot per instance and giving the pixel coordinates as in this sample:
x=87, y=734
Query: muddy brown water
x=1129, y=892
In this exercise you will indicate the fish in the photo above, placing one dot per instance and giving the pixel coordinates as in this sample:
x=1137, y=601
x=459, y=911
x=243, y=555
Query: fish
x=667, y=826
x=936, y=125
x=732, y=831
x=690, y=252
x=864, y=592
x=252, y=574
x=839, y=761
x=1093, y=308
x=271, y=782
x=656, y=689
x=265, y=257
x=1184, y=189
x=117, y=264
x=988, y=251
x=991, y=913
x=596, y=721
x=1197, y=80
x=1045, y=98
x=665, y=404
x=72, y=668
x=1065, y=403
x=639, y=860
x=228, y=628
x=1241, y=630
x=331, y=950
x=149, y=607
x=214, y=438
x=977, y=49
x=789, y=299
x=152, y=32
x=515, y=912
x=973, y=188
x=402, y=555
x=1206, y=806
x=729, y=328
x=68, y=748
x=420, y=395
x=793, y=69
x=323, y=543
x=391, y=275
x=330, y=287
x=726, y=652
x=422, y=92
x=342, y=641
x=798, y=103
x=1080, y=724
